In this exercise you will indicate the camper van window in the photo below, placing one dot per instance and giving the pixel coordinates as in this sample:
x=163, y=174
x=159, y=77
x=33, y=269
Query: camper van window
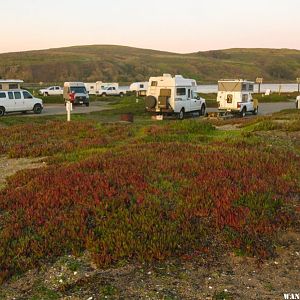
x=13, y=86
x=17, y=95
x=2, y=95
x=251, y=87
x=141, y=86
x=10, y=95
x=181, y=92
x=244, y=87
x=27, y=95
x=189, y=93
x=0, y=86
x=154, y=83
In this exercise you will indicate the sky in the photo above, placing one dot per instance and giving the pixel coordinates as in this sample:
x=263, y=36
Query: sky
x=181, y=26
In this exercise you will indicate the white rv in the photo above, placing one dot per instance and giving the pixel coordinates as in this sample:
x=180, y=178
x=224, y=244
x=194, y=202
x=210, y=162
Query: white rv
x=92, y=87
x=235, y=96
x=167, y=95
x=78, y=90
x=140, y=88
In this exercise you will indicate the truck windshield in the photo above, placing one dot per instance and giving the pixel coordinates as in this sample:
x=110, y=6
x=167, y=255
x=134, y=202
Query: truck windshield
x=78, y=89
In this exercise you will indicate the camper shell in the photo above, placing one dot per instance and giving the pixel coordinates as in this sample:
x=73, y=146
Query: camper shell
x=10, y=84
x=79, y=89
x=167, y=95
x=140, y=88
x=235, y=96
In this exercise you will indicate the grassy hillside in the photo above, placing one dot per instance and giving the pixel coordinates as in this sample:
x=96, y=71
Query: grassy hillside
x=125, y=64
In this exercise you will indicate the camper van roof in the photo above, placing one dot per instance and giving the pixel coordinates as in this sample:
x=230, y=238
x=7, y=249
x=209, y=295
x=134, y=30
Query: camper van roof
x=11, y=81
x=234, y=80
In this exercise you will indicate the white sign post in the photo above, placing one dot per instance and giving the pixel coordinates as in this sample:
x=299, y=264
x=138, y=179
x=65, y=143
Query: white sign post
x=259, y=80
x=69, y=108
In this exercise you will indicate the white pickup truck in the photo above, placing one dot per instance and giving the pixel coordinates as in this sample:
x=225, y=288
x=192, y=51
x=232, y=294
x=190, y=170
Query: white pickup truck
x=111, y=91
x=51, y=91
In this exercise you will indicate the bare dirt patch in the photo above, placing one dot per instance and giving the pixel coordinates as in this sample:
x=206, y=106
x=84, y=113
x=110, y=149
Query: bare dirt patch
x=9, y=167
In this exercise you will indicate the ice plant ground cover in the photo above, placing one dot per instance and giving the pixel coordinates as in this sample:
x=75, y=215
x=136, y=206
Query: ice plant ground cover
x=142, y=192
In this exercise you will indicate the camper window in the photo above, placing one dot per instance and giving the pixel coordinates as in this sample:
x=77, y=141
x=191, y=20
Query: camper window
x=244, y=87
x=189, y=93
x=10, y=95
x=2, y=95
x=141, y=86
x=13, y=86
x=245, y=98
x=0, y=86
x=181, y=92
x=251, y=87
x=154, y=83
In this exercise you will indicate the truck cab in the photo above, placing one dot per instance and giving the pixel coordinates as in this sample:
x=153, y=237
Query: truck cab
x=235, y=96
x=79, y=91
x=167, y=95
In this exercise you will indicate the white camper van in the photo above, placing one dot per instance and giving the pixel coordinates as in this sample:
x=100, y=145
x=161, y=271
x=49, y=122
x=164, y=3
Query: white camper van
x=93, y=87
x=140, y=88
x=235, y=96
x=79, y=91
x=169, y=95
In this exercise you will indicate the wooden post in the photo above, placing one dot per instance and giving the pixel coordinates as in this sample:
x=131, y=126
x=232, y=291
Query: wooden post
x=259, y=80
x=69, y=108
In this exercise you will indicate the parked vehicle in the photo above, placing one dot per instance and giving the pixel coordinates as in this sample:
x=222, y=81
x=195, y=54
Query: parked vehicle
x=111, y=91
x=76, y=93
x=167, y=95
x=140, y=88
x=93, y=87
x=19, y=101
x=51, y=91
x=235, y=96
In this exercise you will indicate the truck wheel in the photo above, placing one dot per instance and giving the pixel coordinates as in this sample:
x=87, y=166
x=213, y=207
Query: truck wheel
x=103, y=95
x=255, y=111
x=121, y=95
x=37, y=109
x=181, y=114
x=202, y=110
x=46, y=94
x=243, y=112
x=2, y=111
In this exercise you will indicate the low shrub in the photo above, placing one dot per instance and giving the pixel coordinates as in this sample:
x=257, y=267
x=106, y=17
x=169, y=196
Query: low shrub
x=147, y=202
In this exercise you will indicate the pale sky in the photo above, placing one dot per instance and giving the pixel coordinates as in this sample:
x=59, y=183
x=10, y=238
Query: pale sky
x=179, y=26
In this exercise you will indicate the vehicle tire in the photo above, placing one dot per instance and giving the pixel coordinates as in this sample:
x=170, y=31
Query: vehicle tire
x=202, y=110
x=87, y=104
x=46, y=94
x=243, y=112
x=24, y=112
x=37, y=109
x=121, y=95
x=181, y=114
x=150, y=102
x=2, y=111
x=255, y=111
x=103, y=95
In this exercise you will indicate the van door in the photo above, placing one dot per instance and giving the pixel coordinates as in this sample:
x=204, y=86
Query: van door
x=10, y=102
x=181, y=99
x=19, y=101
x=28, y=100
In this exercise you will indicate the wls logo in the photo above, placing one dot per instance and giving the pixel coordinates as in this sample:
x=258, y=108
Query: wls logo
x=291, y=296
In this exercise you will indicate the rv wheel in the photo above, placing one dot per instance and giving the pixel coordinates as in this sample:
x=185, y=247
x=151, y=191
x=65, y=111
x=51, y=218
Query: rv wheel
x=121, y=95
x=2, y=111
x=255, y=111
x=37, y=109
x=181, y=115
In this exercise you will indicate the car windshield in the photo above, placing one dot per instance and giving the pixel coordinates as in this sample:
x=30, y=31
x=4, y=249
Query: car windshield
x=78, y=89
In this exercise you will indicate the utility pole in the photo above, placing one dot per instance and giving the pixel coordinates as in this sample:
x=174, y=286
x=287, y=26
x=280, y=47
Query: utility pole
x=259, y=80
x=298, y=81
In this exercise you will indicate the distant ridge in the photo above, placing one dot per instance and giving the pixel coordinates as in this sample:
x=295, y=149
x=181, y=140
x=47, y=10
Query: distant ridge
x=127, y=64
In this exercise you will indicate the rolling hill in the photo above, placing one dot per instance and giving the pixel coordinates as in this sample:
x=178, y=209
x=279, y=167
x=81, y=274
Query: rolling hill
x=126, y=64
